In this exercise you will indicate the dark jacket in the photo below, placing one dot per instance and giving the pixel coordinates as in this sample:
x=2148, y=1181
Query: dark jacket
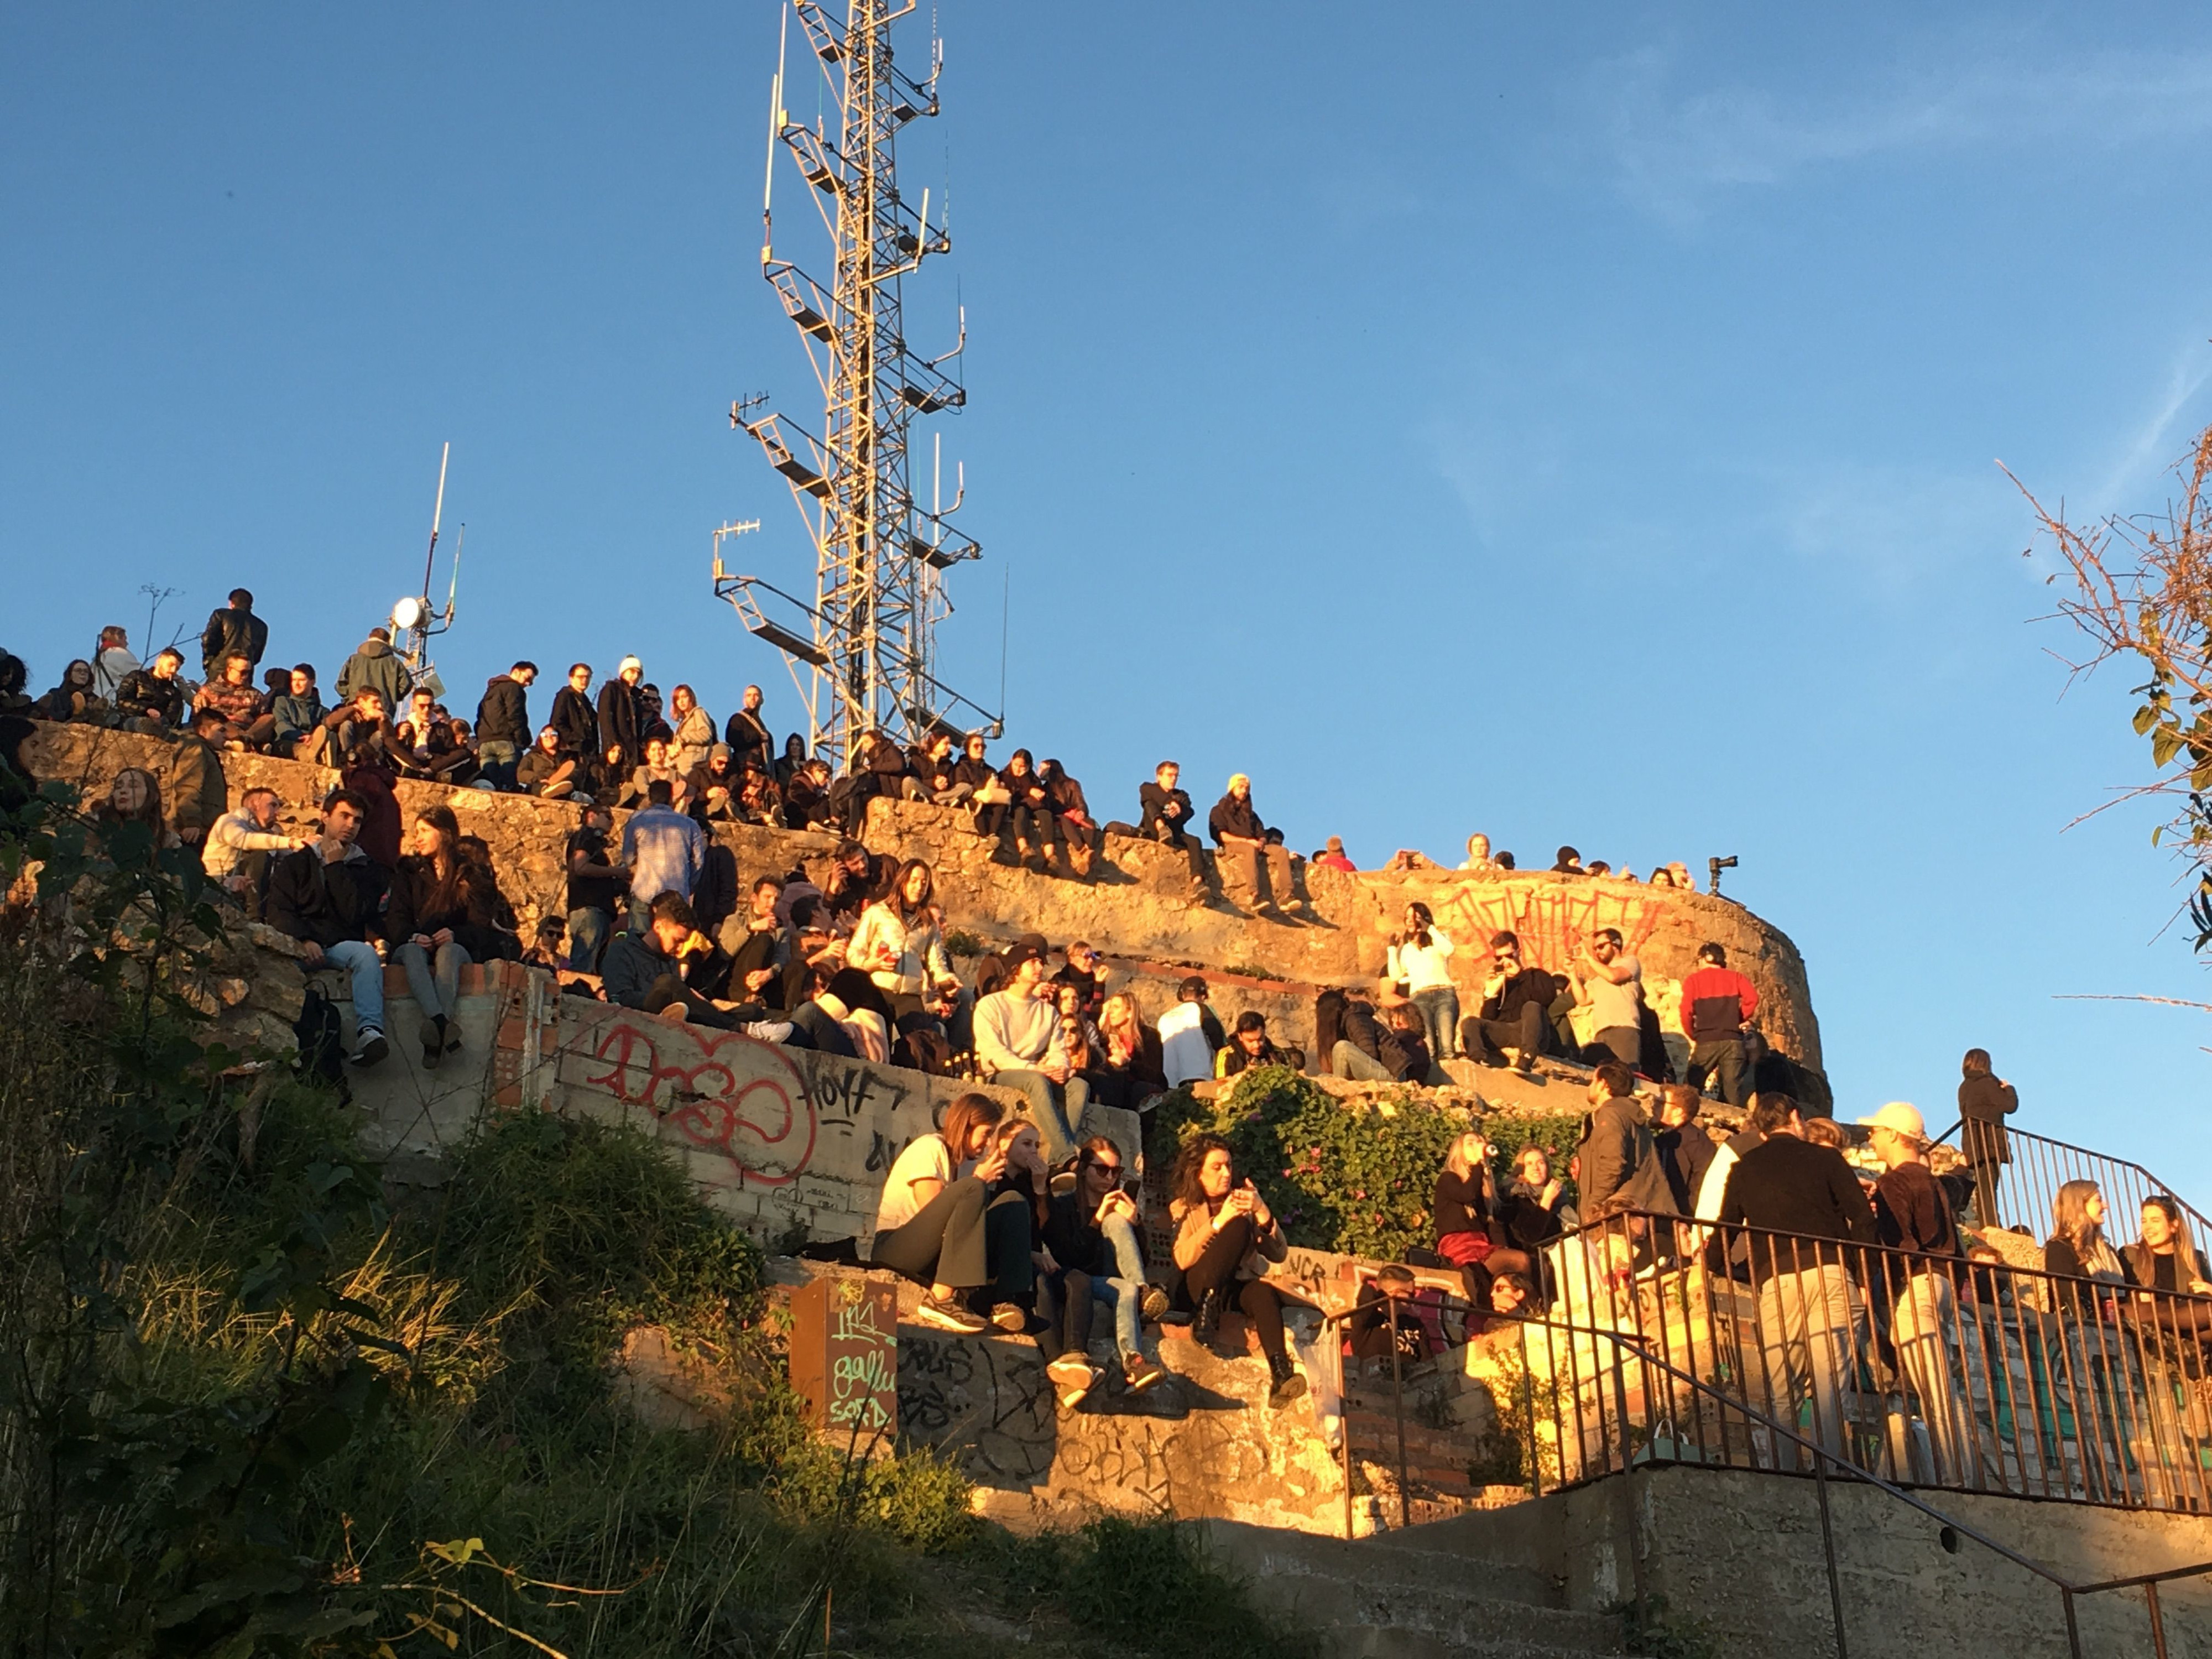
x=629, y=968
x=1358, y=1026
x=503, y=713
x=328, y=903
x=1529, y=985
x=414, y=908
x=573, y=718
x=1232, y=817
x=1983, y=1105
x=374, y=664
x=1458, y=1205
x=199, y=791
x=1617, y=1146
x=887, y=761
x=745, y=733
x=1159, y=809
x=1685, y=1154
x=1073, y=1235
x=973, y=773
x=619, y=716
x=1380, y=1321
x=144, y=693
x=297, y=716
x=1791, y=1186
x=231, y=633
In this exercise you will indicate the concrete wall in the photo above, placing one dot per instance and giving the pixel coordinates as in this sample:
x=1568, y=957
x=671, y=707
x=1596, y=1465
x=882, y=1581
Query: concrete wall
x=1136, y=905
x=1740, y=1553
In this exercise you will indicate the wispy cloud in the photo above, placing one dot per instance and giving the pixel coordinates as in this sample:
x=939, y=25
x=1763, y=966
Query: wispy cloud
x=2151, y=448
x=1674, y=149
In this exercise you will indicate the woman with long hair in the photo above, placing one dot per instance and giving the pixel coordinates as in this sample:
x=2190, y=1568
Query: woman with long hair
x=2088, y=1274
x=1224, y=1237
x=929, y=1221
x=1076, y=825
x=1131, y=1070
x=2164, y=1258
x=695, y=731
x=74, y=699
x=899, y=942
x=135, y=797
x=435, y=897
x=1421, y=961
x=1469, y=1220
x=2077, y=1247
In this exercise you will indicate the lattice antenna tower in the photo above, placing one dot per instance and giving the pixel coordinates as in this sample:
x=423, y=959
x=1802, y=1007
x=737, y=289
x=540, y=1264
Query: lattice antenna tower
x=862, y=654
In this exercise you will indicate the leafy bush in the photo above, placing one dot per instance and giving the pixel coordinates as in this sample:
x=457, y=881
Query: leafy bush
x=1355, y=1177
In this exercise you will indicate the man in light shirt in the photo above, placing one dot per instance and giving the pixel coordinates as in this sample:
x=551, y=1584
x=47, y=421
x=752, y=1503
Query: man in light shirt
x=1017, y=1044
x=238, y=846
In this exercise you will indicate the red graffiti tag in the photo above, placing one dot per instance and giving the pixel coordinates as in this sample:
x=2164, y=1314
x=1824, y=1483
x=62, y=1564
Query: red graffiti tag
x=1553, y=920
x=708, y=1106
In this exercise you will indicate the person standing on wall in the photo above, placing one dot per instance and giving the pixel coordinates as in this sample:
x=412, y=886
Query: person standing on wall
x=1419, y=965
x=232, y=631
x=1609, y=982
x=1717, y=1006
x=1985, y=1101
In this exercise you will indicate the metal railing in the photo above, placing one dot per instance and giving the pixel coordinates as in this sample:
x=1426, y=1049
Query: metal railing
x=1624, y=1453
x=2022, y=1190
x=1962, y=1373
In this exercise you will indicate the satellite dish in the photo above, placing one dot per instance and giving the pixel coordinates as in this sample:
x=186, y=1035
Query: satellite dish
x=408, y=613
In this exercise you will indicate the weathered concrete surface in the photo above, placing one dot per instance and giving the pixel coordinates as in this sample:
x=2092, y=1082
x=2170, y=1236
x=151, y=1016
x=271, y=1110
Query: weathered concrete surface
x=1739, y=1554
x=1136, y=905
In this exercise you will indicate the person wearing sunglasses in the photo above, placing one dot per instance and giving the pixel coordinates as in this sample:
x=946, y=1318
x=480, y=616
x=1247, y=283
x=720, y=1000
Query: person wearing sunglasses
x=1090, y=1233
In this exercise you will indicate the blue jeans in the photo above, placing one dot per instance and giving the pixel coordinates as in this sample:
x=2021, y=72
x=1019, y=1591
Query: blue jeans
x=358, y=958
x=1055, y=1121
x=587, y=937
x=1439, y=1010
x=1123, y=1293
x=497, y=760
x=436, y=986
x=1355, y=1065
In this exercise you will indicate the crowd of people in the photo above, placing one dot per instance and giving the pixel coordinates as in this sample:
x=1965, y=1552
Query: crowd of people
x=1023, y=1223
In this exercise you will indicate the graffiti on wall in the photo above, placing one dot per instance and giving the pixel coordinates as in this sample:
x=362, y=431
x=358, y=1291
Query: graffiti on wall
x=723, y=1092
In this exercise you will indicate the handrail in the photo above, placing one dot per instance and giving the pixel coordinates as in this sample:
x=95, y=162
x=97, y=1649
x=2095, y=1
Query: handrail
x=2150, y=1183
x=2068, y=1589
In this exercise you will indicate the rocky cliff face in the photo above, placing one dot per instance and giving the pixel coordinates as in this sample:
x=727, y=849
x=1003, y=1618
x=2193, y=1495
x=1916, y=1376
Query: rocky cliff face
x=1136, y=905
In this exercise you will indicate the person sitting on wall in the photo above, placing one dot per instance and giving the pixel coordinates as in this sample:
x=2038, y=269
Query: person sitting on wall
x=74, y=699
x=199, y=789
x=151, y=700
x=759, y=799
x=1718, y=1004
x=545, y=944
x=937, y=770
x=1355, y=1053
x=1077, y=829
x=806, y=796
x=643, y=968
x=546, y=770
x=1092, y=1236
x=237, y=852
x=899, y=942
x=1036, y=827
x=1190, y=1035
x=357, y=733
x=856, y=880
x=298, y=713
x=1017, y=1036
x=1517, y=1009
x=426, y=747
x=1243, y=849
x=712, y=788
x=759, y=946
x=1249, y=1046
x=328, y=895
x=438, y=911
x=247, y=723
x=1083, y=967
x=1569, y=863
x=993, y=799
x=1130, y=1071
x=1535, y=1207
x=1332, y=857
x=1224, y=1238
x=1470, y=1218
x=1383, y=1318
x=929, y=1221
x=112, y=663
x=656, y=767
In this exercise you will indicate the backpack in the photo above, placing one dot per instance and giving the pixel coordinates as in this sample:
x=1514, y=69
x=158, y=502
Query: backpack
x=322, y=1042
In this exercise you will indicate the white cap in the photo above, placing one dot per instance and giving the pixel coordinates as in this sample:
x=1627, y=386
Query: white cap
x=1903, y=1117
x=628, y=663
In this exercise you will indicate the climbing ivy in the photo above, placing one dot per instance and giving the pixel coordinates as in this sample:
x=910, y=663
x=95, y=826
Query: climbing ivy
x=1350, y=1175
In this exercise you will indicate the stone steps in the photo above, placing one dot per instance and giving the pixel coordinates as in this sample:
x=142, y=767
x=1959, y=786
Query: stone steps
x=1388, y=1595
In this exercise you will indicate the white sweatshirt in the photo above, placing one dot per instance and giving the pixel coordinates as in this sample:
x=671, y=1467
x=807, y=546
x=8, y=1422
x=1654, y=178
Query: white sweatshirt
x=1423, y=967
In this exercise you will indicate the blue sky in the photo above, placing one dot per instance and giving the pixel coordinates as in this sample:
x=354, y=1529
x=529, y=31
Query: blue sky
x=1580, y=427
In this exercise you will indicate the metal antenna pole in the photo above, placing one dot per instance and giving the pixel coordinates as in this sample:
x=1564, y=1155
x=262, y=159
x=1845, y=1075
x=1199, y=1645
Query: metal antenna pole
x=864, y=649
x=437, y=514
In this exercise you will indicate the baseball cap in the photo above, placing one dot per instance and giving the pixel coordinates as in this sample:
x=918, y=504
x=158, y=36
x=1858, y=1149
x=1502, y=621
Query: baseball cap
x=1028, y=948
x=1901, y=1116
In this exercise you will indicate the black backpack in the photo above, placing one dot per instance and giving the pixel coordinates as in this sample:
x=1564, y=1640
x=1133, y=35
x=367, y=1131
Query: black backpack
x=322, y=1042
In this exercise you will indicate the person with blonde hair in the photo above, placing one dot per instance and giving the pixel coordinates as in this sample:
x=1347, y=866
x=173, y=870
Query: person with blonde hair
x=1470, y=1218
x=899, y=942
x=1131, y=1068
x=1243, y=847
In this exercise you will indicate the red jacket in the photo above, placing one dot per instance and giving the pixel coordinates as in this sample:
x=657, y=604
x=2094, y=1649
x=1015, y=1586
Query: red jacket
x=1715, y=1002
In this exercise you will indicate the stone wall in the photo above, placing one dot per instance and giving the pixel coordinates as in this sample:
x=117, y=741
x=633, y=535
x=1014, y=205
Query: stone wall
x=1136, y=905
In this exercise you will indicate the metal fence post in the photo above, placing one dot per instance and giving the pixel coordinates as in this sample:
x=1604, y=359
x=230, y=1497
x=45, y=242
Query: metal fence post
x=1828, y=1545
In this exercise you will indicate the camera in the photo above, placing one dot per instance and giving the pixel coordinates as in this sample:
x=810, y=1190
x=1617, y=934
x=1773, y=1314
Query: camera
x=1713, y=868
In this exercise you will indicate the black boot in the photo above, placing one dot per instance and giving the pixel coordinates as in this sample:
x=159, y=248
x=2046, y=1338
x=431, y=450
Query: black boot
x=1207, y=1326
x=1290, y=1382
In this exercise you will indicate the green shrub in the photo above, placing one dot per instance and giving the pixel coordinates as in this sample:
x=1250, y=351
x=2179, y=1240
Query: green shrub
x=1355, y=1177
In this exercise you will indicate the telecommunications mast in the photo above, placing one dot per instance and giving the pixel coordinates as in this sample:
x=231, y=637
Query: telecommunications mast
x=862, y=653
